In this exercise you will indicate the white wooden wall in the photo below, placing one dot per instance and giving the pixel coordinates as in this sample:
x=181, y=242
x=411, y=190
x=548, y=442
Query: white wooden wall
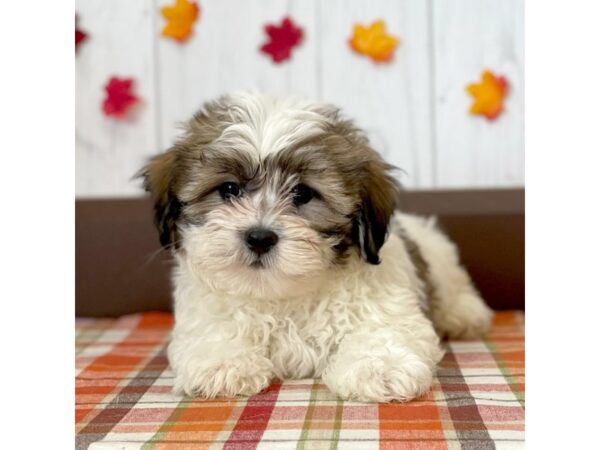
x=414, y=109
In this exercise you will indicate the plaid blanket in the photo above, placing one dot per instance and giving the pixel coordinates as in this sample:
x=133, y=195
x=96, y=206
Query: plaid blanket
x=124, y=400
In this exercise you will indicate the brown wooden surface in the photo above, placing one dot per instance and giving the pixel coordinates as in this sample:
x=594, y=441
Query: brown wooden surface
x=120, y=268
x=119, y=265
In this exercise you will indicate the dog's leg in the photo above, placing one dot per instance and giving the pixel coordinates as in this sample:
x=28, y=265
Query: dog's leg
x=457, y=309
x=459, y=312
x=385, y=364
x=218, y=368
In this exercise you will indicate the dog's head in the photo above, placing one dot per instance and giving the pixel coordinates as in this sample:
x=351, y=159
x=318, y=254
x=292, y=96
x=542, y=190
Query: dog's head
x=262, y=196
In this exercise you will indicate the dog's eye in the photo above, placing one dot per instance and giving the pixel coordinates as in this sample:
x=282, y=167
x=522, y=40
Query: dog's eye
x=302, y=194
x=229, y=190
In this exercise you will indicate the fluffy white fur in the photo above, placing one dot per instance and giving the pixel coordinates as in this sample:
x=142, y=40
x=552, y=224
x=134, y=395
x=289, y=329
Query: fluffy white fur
x=361, y=329
x=358, y=326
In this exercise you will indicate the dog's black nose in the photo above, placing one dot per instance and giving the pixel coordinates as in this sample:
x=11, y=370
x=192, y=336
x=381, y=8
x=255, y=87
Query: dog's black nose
x=261, y=240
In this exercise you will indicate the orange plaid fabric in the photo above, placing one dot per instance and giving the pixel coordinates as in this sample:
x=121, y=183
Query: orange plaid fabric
x=124, y=400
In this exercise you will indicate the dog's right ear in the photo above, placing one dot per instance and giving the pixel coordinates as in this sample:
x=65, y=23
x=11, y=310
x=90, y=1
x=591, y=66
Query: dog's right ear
x=158, y=177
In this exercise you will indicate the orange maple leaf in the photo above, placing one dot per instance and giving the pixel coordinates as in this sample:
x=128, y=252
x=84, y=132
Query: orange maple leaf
x=180, y=19
x=373, y=41
x=488, y=95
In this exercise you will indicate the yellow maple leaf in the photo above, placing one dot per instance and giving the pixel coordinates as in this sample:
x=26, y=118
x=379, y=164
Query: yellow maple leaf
x=488, y=95
x=373, y=41
x=180, y=19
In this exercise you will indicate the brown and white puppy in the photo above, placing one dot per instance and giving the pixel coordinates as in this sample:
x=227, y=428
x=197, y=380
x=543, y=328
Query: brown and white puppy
x=292, y=261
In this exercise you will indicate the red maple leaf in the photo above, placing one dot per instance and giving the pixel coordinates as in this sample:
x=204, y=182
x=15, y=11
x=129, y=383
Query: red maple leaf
x=283, y=39
x=79, y=35
x=118, y=97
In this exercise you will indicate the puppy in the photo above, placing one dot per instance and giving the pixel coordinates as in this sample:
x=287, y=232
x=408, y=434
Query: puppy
x=292, y=260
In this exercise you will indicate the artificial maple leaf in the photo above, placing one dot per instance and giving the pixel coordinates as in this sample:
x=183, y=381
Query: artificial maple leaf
x=373, y=41
x=180, y=19
x=488, y=95
x=79, y=35
x=119, y=98
x=283, y=39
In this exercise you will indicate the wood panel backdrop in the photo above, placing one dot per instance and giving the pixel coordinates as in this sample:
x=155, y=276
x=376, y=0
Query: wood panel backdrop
x=414, y=108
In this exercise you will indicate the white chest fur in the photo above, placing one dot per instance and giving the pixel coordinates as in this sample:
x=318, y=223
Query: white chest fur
x=360, y=328
x=299, y=334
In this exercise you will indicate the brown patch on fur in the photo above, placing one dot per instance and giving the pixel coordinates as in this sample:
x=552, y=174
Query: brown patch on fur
x=158, y=175
x=166, y=174
x=356, y=193
x=429, y=297
x=201, y=178
x=352, y=179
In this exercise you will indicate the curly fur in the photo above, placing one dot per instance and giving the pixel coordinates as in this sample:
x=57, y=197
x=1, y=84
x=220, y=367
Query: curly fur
x=339, y=296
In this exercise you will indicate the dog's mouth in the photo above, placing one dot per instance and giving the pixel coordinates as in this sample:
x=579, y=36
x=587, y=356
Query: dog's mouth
x=257, y=264
x=262, y=262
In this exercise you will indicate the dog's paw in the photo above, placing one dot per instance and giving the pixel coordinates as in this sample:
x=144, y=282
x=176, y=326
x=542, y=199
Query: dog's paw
x=243, y=376
x=401, y=376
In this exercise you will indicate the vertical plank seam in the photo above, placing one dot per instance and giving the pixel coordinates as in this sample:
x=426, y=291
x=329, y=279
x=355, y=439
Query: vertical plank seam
x=432, y=94
x=157, y=90
x=289, y=8
x=318, y=52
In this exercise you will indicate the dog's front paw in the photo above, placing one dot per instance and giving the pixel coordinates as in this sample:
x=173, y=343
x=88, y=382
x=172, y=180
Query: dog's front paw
x=401, y=375
x=243, y=376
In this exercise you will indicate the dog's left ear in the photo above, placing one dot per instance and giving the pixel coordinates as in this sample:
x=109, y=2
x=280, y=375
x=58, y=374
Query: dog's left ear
x=379, y=199
x=158, y=181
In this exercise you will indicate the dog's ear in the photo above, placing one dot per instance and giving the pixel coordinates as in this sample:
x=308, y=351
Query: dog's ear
x=379, y=199
x=158, y=177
